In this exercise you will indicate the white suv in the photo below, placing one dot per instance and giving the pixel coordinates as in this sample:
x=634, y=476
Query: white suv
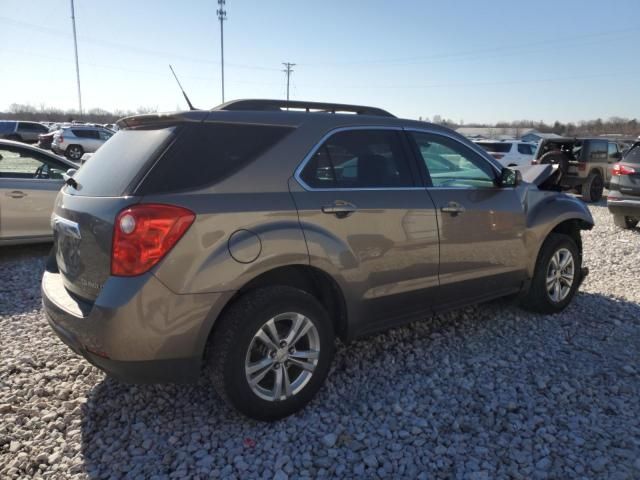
x=75, y=140
x=510, y=153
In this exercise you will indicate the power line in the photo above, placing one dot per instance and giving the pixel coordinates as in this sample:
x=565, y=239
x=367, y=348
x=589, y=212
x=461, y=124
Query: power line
x=288, y=70
x=75, y=46
x=222, y=16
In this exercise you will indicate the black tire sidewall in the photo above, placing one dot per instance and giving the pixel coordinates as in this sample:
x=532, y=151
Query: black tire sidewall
x=586, y=188
x=71, y=148
x=252, y=314
x=554, y=243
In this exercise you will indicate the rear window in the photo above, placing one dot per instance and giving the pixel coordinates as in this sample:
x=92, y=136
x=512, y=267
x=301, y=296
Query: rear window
x=119, y=161
x=496, y=147
x=206, y=153
x=633, y=155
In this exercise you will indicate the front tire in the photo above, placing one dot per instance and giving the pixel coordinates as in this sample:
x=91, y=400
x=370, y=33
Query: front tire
x=556, y=277
x=625, y=222
x=271, y=352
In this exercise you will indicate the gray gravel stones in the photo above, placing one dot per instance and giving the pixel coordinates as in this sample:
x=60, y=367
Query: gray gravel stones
x=483, y=393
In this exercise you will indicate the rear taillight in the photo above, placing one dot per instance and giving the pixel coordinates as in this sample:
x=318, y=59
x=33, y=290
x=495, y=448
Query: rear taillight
x=618, y=170
x=143, y=234
x=60, y=139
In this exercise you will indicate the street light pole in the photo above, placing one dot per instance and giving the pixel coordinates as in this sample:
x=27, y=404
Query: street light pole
x=75, y=45
x=222, y=15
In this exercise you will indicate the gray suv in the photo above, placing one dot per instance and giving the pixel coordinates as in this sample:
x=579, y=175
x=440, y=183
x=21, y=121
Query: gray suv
x=247, y=238
x=76, y=140
x=27, y=132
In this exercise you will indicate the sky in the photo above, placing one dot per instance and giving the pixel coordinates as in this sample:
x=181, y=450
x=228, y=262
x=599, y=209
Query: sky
x=471, y=61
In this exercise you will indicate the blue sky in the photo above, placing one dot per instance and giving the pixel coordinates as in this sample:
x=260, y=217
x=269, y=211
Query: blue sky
x=466, y=60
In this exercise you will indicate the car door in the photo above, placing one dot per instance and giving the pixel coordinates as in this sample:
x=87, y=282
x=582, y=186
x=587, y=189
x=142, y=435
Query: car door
x=369, y=224
x=481, y=225
x=29, y=183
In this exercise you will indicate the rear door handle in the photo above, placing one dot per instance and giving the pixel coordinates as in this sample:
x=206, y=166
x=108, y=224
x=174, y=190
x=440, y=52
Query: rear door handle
x=453, y=208
x=339, y=208
x=16, y=194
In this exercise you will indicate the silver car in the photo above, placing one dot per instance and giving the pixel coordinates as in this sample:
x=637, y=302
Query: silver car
x=30, y=179
x=76, y=140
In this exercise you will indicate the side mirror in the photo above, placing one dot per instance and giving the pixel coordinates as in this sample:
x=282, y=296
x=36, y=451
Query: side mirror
x=509, y=178
x=69, y=174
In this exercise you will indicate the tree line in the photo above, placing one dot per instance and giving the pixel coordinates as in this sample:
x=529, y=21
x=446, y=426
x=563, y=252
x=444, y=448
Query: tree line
x=613, y=125
x=19, y=111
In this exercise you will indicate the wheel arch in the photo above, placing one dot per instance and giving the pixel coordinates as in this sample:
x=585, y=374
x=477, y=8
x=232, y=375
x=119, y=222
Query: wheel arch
x=310, y=279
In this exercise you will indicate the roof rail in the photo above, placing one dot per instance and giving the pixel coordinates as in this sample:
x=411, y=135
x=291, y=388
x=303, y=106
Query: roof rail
x=283, y=105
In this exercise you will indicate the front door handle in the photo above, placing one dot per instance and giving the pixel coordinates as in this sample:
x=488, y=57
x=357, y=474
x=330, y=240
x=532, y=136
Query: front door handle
x=454, y=208
x=16, y=194
x=339, y=208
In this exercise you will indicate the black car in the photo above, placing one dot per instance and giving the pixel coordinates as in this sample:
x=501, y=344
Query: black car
x=624, y=189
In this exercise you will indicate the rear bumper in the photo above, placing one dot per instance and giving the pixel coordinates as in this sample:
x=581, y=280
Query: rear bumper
x=137, y=330
x=623, y=205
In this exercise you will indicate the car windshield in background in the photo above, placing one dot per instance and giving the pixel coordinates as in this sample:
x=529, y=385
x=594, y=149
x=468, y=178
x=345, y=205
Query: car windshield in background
x=117, y=163
x=633, y=155
x=496, y=147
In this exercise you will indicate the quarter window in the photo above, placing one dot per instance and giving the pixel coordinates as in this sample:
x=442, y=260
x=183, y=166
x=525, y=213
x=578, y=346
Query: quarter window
x=356, y=159
x=451, y=164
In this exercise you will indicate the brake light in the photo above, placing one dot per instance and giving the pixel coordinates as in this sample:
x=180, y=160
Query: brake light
x=618, y=170
x=143, y=234
x=60, y=139
x=582, y=166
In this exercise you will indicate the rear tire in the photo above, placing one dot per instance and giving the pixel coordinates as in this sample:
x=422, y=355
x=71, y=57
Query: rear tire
x=558, y=270
x=625, y=222
x=592, y=189
x=74, y=152
x=239, y=351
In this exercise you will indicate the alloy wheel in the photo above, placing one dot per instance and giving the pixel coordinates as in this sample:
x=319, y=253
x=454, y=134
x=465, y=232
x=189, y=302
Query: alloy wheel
x=560, y=275
x=282, y=356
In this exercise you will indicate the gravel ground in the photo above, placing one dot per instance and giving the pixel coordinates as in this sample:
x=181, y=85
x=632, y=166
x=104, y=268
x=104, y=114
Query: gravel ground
x=486, y=392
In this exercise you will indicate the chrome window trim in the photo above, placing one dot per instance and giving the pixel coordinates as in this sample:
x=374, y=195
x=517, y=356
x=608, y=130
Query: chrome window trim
x=321, y=142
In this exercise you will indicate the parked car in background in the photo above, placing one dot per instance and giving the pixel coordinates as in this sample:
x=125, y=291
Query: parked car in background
x=30, y=179
x=76, y=140
x=170, y=255
x=46, y=139
x=510, y=153
x=586, y=162
x=19, y=131
x=623, y=200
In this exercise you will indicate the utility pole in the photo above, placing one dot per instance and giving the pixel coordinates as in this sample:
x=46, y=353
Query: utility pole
x=288, y=70
x=75, y=45
x=222, y=15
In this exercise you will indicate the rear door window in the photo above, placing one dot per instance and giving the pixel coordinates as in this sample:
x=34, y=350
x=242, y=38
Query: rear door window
x=356, y=159
x=206, y=153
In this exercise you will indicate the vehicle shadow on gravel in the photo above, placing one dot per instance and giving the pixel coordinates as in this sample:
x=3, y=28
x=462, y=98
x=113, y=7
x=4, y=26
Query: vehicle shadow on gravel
x=489, y=388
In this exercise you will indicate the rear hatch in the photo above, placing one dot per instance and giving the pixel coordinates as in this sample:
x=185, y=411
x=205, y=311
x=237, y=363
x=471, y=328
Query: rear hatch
x=625, y=176
x=86, y=208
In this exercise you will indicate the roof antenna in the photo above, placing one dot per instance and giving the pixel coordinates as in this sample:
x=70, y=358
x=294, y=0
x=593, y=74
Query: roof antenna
x=183, y=92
